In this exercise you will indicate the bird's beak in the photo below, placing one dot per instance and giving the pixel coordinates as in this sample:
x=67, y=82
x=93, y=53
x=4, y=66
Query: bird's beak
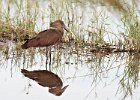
x=66, y=28
x=64, y=88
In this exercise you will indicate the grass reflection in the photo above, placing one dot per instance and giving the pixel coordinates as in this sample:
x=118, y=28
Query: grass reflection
x=130, y=78
x=100, y=67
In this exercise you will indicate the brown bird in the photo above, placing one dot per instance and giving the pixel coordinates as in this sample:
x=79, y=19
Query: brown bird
x=46, y=79
x=47, y=37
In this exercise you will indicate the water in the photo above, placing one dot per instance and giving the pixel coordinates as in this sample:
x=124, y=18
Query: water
x=89, y=77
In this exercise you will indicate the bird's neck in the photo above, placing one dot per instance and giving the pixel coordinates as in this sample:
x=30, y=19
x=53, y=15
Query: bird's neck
x=60, y=30
x=54, y=28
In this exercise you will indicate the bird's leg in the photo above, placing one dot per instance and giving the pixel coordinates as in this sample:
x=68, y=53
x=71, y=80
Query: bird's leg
x=50, y=58
x=46, y=57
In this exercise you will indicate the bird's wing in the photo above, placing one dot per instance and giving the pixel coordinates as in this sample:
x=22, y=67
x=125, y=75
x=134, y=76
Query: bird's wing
x=44, y=78
x=46, y=33
x=48, y=37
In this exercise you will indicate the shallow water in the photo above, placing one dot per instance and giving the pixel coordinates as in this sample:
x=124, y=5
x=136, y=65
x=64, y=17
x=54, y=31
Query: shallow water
x=88, y=76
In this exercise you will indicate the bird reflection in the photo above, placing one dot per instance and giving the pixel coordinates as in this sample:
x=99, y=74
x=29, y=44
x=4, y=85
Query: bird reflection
x=46, y=79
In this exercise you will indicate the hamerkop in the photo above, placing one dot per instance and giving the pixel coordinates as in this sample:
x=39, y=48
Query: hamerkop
x=46, y=79
x=47, y=37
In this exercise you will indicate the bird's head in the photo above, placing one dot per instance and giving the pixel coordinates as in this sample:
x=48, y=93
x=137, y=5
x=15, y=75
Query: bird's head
x=59, y=24
x=57, y=90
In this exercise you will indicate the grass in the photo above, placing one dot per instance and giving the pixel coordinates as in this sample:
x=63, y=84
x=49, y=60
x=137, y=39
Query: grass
x=24, y=22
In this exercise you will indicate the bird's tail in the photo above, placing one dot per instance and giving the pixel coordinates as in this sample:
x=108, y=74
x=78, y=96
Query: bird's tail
x=24, y=71
x=25, y=45
x=29, y=74
x=30, y=43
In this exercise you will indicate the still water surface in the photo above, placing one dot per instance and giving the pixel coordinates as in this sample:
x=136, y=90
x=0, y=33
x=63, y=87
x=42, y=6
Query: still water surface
x=88, y=76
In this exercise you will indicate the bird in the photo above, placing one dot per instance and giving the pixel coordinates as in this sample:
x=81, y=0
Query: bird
x=46, y=78
x=47, y=37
